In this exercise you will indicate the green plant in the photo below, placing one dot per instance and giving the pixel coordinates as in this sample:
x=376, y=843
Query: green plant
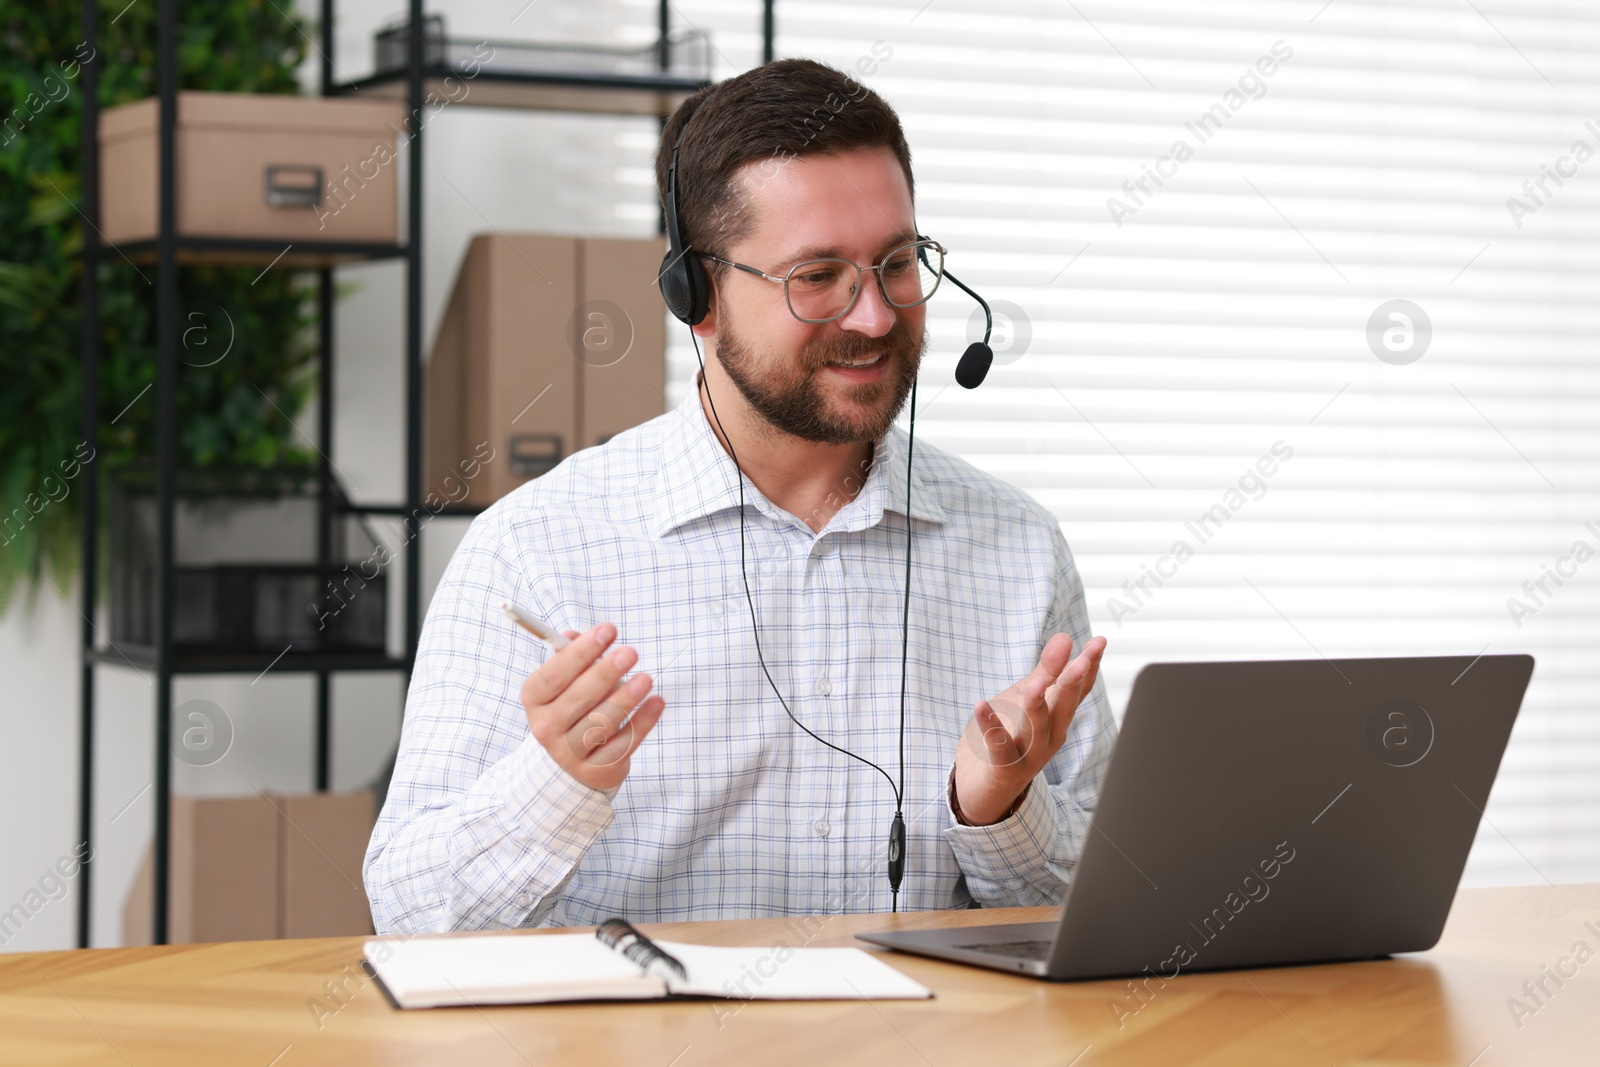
x=234, y=412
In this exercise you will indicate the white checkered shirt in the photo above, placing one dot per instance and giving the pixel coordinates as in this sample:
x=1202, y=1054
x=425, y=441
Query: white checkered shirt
x=729, y=810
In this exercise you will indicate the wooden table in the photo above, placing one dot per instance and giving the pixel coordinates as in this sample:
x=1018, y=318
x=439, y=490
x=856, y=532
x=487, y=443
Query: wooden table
x=296, y=1003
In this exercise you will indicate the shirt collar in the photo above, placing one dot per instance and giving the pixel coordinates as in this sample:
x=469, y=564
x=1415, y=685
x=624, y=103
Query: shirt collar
x=697, y=479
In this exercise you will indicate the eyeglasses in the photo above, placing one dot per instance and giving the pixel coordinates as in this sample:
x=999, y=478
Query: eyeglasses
x=822, y=290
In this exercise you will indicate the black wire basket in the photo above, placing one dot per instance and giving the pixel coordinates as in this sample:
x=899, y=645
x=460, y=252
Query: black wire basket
x=687, y=53
x=247, y=576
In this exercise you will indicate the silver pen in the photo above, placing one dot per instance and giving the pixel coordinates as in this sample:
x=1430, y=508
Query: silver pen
x=542, y=630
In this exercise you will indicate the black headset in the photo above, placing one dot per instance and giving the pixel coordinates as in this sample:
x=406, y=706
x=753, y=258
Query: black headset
x=686, y=288
x=684, y=284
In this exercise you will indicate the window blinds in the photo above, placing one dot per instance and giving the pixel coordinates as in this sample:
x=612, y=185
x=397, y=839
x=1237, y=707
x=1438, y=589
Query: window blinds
x=1308, y=289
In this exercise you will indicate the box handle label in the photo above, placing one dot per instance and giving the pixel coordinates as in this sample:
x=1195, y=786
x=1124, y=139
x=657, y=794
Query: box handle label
x=533, y=454
x=303, y=187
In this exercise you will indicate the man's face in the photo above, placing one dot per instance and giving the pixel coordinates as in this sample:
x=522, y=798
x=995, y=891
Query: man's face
x=853, y=205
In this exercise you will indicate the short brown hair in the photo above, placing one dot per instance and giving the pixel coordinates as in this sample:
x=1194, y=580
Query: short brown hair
x=777, y=111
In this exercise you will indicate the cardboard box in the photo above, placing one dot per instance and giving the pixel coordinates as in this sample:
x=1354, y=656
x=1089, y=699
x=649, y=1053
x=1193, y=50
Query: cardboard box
x=549, y=344
x=321, y=844
x=260, y=867
x=249, y=165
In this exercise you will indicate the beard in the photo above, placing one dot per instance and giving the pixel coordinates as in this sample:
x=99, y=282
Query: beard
x=794, y=403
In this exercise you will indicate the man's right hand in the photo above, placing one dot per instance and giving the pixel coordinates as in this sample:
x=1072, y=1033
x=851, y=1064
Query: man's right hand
x=578, y=705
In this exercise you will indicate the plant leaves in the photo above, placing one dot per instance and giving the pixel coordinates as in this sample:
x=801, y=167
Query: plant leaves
x=224, y=45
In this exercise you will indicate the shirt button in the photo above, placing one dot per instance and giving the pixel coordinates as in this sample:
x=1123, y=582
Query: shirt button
x=821, y=827
x=823, y=687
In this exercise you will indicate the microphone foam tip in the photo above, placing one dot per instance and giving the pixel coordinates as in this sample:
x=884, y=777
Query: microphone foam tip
x=974, y=365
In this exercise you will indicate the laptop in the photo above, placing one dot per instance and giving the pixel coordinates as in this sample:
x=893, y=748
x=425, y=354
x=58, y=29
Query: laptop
x=1272, y=812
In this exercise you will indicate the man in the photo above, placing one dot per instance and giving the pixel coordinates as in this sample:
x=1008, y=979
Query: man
x=552, y=788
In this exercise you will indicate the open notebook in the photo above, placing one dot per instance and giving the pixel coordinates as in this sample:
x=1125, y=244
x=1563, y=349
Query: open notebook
x=619, y=963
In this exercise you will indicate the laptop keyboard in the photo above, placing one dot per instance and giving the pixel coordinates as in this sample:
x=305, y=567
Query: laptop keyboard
x=1026, y=950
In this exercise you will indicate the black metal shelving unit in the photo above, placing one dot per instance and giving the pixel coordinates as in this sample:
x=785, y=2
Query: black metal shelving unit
x=647, y=94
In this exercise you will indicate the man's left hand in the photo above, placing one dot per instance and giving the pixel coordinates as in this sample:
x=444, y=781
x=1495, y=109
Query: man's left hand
x=1010, y=738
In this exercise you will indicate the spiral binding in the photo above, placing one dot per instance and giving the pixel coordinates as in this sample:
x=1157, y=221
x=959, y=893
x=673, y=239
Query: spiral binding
x=621, y=935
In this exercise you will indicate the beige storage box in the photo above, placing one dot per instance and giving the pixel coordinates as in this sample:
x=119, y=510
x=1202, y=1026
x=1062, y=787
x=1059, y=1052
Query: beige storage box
x=322, y=842
x=256, y=166
x=260, y=867
x=548, y=345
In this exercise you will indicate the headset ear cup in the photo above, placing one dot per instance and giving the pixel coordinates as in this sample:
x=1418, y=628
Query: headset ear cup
x=699, y=286
x=674, y=285
x=685, y=287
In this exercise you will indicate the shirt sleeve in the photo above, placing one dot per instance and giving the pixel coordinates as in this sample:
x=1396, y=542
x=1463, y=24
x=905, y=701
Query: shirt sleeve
x=1028, y=858
x=481, y=828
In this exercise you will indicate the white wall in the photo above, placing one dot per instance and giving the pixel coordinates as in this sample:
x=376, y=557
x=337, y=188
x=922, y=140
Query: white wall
x=38, y=760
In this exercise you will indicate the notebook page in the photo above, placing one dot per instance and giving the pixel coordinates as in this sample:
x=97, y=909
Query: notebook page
x=427, y=972
x=789, y=974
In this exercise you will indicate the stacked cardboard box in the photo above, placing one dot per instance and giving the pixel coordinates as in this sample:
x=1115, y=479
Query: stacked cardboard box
x=548, y=344
x=256, y=165
x=260, y=867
